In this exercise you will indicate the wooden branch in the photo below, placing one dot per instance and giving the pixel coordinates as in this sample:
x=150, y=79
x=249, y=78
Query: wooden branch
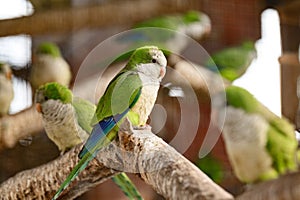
x=286, y=187
x=18, y=126
x=161, y=166
x=137, y=151
x=43, y=181
x=68, y=20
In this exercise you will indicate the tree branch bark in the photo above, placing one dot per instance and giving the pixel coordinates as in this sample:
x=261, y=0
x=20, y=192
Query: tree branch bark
x=286, y=187
x=137, y=151
x=43, y=181
x=18, y=126
x=115, y=13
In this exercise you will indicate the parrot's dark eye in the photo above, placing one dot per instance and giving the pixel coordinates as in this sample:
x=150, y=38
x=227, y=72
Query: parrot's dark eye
x=154, y=60
x=46, y=98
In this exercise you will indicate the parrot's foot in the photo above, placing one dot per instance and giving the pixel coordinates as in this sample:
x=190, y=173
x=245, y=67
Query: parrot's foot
x=145, y=127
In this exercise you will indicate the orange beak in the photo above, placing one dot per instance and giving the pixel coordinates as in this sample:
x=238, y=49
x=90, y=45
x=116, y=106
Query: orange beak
x=162, y=72
x=8, y=75
x=38, y=107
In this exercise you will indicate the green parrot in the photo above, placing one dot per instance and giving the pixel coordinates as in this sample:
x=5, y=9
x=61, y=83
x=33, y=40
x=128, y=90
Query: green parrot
x=132, y=93
x=233, y=62
x=67, y=123
x=6, y=88
x=193, y=23
x=259, y=144
x=64, y=115
x=48, y=65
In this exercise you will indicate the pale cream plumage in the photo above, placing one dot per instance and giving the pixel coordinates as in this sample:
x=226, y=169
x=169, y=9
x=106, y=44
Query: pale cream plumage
x=47, y=68
x=6, y=89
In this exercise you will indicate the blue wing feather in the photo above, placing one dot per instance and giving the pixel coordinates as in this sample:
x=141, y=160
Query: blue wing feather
x=99, y=131
x=103, y=127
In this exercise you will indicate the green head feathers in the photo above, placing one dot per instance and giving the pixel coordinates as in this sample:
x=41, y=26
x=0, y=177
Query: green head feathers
x=240, y=98
x=248, y=45
x=141, y=55
x=191, y=16
x=48, y=48
x=54, y=91
x=171, y=21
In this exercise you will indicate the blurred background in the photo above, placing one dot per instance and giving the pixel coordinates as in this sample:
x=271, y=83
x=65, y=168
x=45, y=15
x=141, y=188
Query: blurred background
x=77, y=27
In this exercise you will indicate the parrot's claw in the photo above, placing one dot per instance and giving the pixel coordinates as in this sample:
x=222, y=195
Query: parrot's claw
x=145, y=127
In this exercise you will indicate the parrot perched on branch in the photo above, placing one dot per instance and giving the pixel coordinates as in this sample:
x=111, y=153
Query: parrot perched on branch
x=6, y=88
x=48, y=65
x=259, y=144
x=132, y=93
x=67, y=123
x=192, y=23
x=233, y=62
x=66, y=118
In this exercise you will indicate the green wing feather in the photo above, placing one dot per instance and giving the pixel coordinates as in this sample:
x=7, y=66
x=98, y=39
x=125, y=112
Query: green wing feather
x=126, y=185
x=84, y=112
x=233, y=62
x=125, y=86
x=49, y=48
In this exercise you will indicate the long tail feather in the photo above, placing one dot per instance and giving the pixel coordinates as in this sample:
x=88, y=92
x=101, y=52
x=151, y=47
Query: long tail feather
x=77, y=169
x=129, y=189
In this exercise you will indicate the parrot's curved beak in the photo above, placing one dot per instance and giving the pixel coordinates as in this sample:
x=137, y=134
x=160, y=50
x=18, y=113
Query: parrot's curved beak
x=38, y=107
x=162, y=72
x=8, y=75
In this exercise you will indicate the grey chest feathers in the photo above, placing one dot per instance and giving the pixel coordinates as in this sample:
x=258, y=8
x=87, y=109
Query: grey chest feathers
x=61, y=125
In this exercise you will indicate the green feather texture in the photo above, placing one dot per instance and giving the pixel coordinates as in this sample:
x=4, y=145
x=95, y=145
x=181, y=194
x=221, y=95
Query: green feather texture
x=126, y=185
x=140, y=56
x=125, y=85
x=48, y=48
x=241, y=98
x=85, y=111
x=234, y=61
x=169, y=26
x=191, y=16
x=212, y=167
x=281, y=142
x=127, y=55
x=171, y=21
x=57, y=91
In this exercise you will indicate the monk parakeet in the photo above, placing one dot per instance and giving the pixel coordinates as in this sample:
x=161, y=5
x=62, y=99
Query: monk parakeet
x=132, y=93
x=67, y=123
x=259, y=144
x=48, y=65
x=6, y=88
x=192, y=23
x=66, y=118
x=233, y=62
